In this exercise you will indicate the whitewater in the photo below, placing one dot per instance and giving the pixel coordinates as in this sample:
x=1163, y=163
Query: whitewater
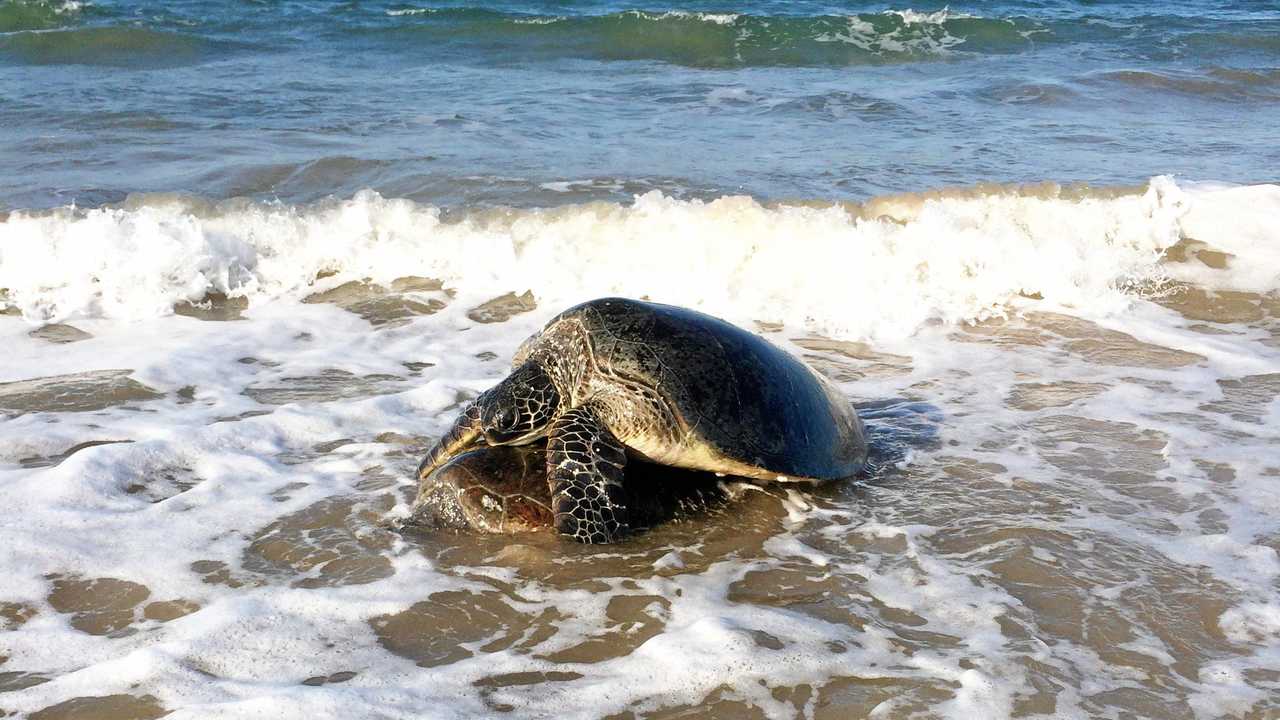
x=214, y=413
x=855, y=271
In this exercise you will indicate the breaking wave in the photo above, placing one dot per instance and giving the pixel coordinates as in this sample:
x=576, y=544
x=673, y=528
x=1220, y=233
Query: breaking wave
x=877, y=269
x=721, y=39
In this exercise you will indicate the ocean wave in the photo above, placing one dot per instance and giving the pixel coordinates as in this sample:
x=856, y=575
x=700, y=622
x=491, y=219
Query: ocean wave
x=21, y=15
x=1227, y=84
x=937, y=17
x=687, y=37
x=106, y=46
x=877, y=269
x=719, y=39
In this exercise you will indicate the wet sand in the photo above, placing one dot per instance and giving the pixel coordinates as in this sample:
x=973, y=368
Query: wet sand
x=1060, y=519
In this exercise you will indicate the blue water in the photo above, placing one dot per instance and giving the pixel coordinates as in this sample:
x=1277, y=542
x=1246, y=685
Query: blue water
x=544, y=103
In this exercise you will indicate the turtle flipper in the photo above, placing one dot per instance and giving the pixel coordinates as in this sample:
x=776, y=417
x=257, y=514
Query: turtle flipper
x=585, y=469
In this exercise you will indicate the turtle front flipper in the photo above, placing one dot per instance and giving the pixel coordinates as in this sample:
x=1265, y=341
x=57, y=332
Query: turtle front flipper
x=585, y=469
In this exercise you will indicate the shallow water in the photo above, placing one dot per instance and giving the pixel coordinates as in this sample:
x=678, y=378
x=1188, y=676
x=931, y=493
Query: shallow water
x=1064, y=517
x=255, y=257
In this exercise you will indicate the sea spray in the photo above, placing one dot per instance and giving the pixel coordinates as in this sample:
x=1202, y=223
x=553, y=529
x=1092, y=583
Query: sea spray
x=876, y=270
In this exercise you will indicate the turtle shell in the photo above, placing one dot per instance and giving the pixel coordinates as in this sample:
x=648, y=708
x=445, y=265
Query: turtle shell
x=741, y=396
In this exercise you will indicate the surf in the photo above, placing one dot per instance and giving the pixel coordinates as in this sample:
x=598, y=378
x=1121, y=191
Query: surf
x=954, y=256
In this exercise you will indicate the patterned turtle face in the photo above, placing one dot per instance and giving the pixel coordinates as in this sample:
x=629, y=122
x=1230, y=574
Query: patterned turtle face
x=519, y=410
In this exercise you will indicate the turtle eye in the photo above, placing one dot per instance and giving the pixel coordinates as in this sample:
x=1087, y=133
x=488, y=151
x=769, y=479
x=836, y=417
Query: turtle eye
x=506, y=419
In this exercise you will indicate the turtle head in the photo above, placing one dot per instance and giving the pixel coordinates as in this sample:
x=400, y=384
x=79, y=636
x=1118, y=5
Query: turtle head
x=490, y=489
x=520, y=409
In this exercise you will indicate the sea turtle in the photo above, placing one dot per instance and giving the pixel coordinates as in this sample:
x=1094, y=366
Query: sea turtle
x=504, y=490
x=615, y=377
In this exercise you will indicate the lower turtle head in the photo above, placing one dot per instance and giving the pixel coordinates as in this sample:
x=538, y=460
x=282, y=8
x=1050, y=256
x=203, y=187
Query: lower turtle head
x=519, y=410
x=494, y=490
x=504, y=490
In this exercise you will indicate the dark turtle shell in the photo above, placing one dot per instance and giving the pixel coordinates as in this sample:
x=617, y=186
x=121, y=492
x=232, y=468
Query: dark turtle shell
x=746, y=398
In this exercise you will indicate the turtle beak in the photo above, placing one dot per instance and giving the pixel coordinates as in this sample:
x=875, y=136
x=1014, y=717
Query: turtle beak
x=464, y=434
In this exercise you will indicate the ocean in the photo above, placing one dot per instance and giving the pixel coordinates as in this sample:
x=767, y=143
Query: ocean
x=256, y=255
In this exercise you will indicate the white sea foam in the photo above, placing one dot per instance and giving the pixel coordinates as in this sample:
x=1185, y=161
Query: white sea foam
x=937, y=17
x=539, y=20
x=953, y=258
x=411, y=11
x=923, y=581
x=713, y=18
x=859, y=33
x=919, y=33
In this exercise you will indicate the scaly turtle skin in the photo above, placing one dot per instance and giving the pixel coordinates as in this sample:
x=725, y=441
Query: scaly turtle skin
x=504, y=490
x=613, y=378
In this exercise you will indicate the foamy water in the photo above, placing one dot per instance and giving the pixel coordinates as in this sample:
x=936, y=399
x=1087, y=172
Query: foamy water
x=1072, y=510
x=880, y=269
